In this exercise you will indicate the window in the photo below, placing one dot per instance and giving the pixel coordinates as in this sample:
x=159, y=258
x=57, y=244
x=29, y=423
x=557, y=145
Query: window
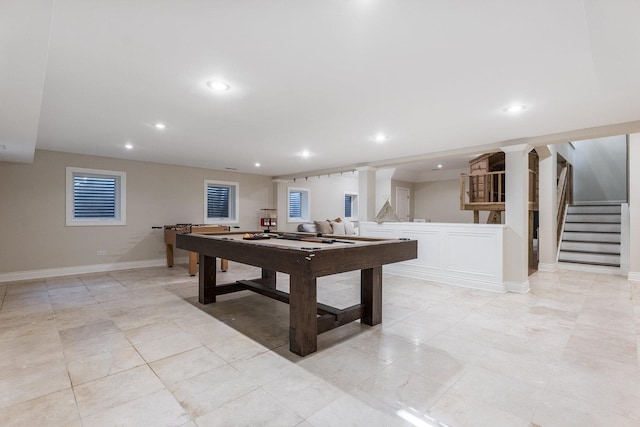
x=220, y=202
x=351, y=206
x=96, y=197
x=298, y=204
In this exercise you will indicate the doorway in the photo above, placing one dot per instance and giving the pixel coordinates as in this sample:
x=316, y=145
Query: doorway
x=403, y=203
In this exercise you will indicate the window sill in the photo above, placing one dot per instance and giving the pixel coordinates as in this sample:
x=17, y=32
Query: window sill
x=297, y=220
x=215, y=221
x=94, y=223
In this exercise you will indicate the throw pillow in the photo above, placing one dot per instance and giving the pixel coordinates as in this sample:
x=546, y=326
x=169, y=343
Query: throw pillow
x=349, y=229
x=323, y=227
x=308, y=228
x=338, y=228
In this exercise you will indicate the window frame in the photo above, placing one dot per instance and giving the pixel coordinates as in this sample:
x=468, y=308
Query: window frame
x=305, y=204
x=120, y=197
x=234, y=205
x=354, y=205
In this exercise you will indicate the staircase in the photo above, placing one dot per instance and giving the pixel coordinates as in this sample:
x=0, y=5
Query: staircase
x=591, y=235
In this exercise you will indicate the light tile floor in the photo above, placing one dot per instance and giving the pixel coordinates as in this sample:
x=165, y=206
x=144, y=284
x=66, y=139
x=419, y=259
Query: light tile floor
x=135, y=348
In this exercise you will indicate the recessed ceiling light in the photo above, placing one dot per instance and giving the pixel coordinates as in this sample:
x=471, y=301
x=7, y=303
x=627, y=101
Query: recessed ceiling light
x=439, y=166
x=515, y=108
x=257, y=164
x=218, y=86
x=381, y=137
x=160, y=126
x=305, y=154
x=128, y=146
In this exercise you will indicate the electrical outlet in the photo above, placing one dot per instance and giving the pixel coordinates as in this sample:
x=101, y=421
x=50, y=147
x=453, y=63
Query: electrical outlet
x=100, y=253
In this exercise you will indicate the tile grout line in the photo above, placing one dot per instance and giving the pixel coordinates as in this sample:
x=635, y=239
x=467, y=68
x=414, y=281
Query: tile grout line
x=4, y=294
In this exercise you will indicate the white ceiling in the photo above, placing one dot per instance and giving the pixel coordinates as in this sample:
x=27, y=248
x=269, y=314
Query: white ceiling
x=325, y=75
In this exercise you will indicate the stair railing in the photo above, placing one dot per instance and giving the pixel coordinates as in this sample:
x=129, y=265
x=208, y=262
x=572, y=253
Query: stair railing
x=562, y=193
x=480, y=189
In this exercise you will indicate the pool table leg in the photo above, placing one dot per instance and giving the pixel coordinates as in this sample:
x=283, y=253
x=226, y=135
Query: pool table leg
x=371, y=295
x=303, y=322
x=269, y=278
x=207, y=280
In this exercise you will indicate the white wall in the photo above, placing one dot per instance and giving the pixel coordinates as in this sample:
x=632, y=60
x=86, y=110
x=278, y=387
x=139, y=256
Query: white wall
x=634, y=207
x=386, y=190
x=32, y=208
x=600, y=170
x=439, y=201
x=395, y=183
x=566, y=150
x=326, y=194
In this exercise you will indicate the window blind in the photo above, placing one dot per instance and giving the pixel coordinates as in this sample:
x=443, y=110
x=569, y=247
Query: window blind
x=217, y=202
x=94, y=197
x=348, y=201
x=295, y=204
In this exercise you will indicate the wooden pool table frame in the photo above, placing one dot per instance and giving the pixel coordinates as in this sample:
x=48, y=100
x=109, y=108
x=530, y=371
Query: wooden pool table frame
x=307, y=317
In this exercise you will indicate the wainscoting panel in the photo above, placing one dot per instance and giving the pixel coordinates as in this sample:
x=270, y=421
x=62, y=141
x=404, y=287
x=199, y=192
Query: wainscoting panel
x=469, y=255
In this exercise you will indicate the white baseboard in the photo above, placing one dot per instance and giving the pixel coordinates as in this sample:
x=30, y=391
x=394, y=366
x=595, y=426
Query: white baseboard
x=423, y=274
x=634, y=276
x=548, y=267
x=84, y=269
x=521, y=288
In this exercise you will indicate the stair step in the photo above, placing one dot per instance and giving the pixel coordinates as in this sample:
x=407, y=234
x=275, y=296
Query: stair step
x=591, y=266
x=599, y=218
x=589, y=258
x=593, y=247
x=592, y=227
x=584, y=236
x=594, y=209
x=566, y=265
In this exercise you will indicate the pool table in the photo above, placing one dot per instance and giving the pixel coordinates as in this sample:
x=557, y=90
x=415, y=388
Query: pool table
x=305, y=257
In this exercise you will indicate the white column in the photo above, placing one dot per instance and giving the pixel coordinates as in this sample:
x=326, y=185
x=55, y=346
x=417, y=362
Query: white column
x=517, y=217
x=280, y=197
x=548, y=205
x=634, y=207
x=366, y=193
